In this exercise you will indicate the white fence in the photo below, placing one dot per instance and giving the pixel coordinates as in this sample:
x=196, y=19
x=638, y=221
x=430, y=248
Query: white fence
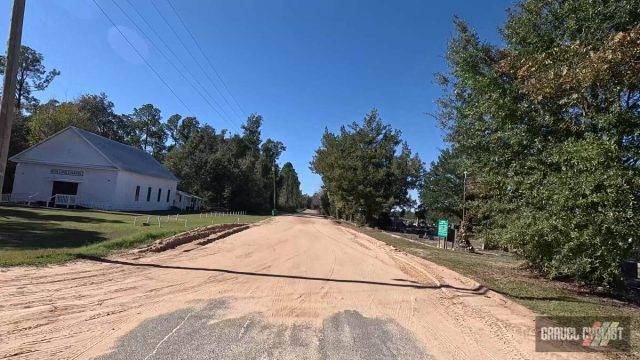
x=226, y=213
x=18, y=198
x=65, y=201
x=24, y=198
x=76, y=201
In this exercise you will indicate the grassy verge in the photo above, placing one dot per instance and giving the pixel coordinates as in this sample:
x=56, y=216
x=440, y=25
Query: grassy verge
x=507, y=275
x=35, y=236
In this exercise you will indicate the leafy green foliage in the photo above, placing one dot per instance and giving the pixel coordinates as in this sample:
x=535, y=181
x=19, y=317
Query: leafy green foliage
x=180, y=130
x=32, y=76
x=366, y=169
x=289, y=194
x=442, y=187
x=234, y=172
x=150, y=129
x=549, y=128
x=94, y=113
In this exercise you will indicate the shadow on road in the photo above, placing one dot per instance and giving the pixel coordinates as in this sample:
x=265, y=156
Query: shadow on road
x=479, y=290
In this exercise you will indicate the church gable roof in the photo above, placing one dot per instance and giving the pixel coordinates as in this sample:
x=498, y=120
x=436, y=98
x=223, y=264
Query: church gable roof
x=111, y=154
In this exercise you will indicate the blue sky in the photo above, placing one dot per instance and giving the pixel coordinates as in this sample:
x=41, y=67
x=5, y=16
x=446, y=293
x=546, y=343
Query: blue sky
x=303, y=65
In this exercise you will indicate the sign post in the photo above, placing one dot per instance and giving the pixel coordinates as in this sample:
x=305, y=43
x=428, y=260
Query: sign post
x=443, y=230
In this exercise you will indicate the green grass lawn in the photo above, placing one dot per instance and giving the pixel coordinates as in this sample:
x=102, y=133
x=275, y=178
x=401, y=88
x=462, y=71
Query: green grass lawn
x=506, y=275
x=36, y=236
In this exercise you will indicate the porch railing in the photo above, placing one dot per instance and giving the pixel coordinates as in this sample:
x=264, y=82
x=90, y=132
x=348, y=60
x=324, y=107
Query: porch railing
x=65, y=200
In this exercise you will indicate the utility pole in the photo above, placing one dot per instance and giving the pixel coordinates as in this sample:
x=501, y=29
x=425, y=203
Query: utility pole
x=274, y=190
x=8, y=106
x=464, y=194
x=462, y=236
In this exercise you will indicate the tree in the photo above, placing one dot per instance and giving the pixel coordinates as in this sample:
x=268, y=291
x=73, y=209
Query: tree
x=325, y=203
x=366, y=169
x=315, y=201
x=180, y=129
x=442, y=186
x=127, y=130
x=251, y=132
x=32, y=76
x=232, y=172
x=53, y=117
x=148, y=123
x=99, y=111
x=548, y=126
x=89, y=112
x=173, y=122
x=188, y=127
x=271, y=151
x=305, y=201
x=289, y=194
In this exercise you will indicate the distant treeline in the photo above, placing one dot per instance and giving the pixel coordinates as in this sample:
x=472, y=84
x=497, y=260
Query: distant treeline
x=234, y=171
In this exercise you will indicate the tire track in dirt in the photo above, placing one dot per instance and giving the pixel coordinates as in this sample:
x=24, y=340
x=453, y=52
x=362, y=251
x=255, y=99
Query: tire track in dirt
x=293, y=287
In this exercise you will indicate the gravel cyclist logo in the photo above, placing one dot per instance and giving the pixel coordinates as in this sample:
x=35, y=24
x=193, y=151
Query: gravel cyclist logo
x=580, y=333
x=600, y=334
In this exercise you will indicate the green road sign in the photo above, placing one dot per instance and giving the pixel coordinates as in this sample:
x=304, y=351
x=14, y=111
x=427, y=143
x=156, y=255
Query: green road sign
x=443, y=228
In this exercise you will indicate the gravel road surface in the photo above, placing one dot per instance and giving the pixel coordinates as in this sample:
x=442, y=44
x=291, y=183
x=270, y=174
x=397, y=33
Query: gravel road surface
x=293, y=287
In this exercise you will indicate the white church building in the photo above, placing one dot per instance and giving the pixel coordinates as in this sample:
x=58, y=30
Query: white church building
x=78, y=168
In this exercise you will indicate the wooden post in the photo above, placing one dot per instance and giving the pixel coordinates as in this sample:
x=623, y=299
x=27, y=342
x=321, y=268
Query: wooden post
x=8, y=106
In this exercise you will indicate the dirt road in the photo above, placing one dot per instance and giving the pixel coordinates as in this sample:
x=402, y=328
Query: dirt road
x=294, y=287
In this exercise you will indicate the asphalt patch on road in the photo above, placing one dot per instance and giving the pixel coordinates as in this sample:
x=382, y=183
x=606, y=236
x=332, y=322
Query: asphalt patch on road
x=349, y=335
x=203, y=334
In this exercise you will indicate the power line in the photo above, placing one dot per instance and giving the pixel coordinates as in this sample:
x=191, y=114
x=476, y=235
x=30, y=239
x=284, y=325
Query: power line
x=195, y=78
x=142, y=57
x=145, y=61
x=168, y=60
x=175, y=33
x=205, y=56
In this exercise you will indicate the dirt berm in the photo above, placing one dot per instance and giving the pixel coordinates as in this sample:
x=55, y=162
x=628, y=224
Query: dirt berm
x=206, y=235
